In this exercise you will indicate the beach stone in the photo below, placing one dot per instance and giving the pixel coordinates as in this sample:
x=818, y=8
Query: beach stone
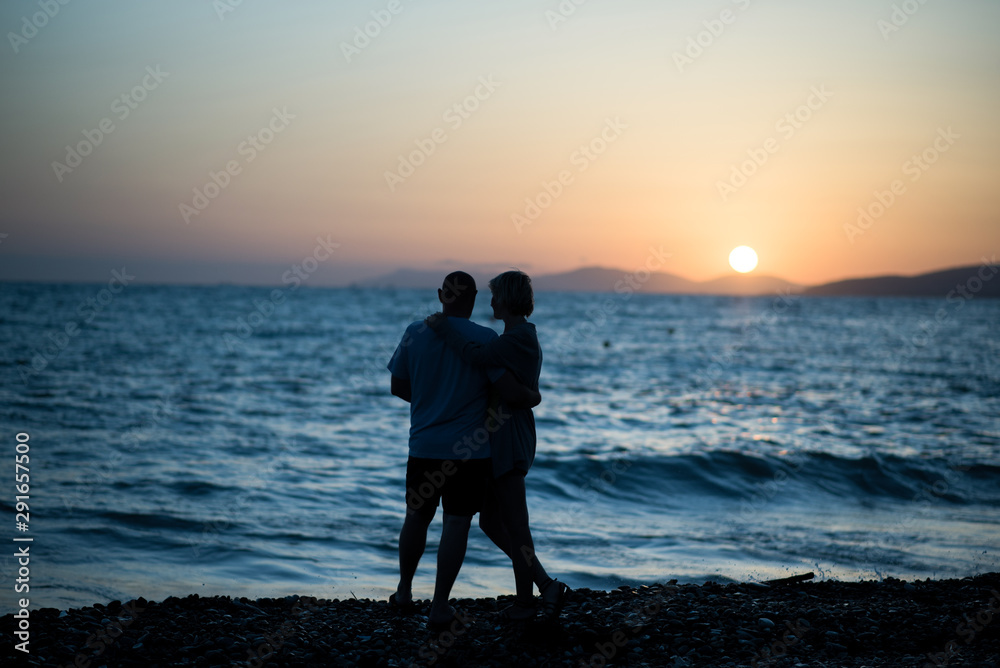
x=846, y=625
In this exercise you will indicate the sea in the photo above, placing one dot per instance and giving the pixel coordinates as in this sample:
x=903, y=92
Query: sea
x=242, y=441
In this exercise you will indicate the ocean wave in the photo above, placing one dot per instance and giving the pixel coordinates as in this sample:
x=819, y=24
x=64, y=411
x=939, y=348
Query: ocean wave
x=812, y=478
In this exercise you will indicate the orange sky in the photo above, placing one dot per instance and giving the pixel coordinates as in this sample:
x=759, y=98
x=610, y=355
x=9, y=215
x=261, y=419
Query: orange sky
x=691, y=127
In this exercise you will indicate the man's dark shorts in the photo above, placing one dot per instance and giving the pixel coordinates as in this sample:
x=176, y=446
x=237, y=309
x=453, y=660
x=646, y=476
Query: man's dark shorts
x=460, y=484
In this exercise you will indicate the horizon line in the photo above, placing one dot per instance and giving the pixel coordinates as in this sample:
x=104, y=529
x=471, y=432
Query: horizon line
x=355, y=283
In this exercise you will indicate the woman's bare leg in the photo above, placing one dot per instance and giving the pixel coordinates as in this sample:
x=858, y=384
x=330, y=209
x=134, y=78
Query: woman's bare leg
x=513, y=509
x=491, y=522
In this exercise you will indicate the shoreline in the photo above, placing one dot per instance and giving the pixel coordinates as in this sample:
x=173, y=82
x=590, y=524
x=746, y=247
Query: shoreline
x=830, y=623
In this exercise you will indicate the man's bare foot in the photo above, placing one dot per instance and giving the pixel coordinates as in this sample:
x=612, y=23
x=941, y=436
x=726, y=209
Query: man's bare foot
x=447, y=620
x=518, y=612
x=400, y=604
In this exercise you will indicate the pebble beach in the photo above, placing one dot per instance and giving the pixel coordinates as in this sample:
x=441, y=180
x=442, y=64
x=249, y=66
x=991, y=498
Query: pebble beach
x=830, y=624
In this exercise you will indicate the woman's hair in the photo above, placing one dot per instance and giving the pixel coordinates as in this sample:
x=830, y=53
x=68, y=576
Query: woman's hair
x=513, y=290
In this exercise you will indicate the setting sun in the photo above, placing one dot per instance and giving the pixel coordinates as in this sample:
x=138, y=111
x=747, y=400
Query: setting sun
x=743, y=259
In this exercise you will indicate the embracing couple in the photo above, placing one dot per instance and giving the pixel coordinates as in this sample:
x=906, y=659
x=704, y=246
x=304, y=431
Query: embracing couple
x=472, y=440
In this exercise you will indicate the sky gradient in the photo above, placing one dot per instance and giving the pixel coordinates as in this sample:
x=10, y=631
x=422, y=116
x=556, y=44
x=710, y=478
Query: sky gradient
x=517, y=134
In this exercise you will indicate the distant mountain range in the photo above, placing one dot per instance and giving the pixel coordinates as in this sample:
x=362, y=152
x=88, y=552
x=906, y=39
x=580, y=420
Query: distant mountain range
x=602, y=279
x=978, y=281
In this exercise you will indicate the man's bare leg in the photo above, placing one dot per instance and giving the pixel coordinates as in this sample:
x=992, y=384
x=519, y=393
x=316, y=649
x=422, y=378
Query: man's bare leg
x=412, y=541
x=451, y=554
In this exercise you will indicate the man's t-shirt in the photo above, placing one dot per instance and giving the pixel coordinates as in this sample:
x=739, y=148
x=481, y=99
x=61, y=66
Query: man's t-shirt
x=449, y=397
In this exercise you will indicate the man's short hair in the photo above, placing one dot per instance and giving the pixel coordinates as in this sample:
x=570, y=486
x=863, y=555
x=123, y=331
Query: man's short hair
x=459, y=291
x=513, y=290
